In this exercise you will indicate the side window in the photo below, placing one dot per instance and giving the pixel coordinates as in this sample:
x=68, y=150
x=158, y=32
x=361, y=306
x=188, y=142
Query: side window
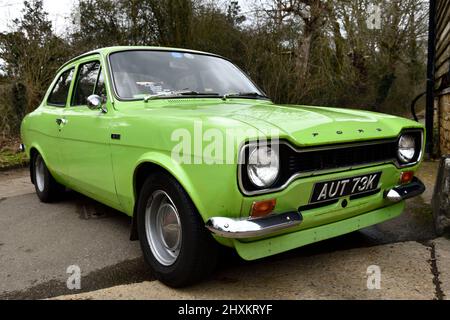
x=88, y=76
x=58, y=96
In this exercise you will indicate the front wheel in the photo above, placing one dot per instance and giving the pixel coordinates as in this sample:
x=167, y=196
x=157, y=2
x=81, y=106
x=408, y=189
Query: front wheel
x=47, y=189
x=173, y=238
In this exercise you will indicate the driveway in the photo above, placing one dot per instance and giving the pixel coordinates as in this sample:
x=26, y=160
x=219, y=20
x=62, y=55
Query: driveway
x=39, y=242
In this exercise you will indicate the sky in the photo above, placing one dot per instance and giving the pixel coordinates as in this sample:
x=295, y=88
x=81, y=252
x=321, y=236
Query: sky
x=58, y=11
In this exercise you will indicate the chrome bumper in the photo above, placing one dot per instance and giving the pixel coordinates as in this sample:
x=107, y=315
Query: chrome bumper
x=407, y=191
x=252, y=228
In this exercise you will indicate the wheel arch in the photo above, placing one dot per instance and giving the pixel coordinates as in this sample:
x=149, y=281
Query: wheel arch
x=34, y=150
x=147, y=167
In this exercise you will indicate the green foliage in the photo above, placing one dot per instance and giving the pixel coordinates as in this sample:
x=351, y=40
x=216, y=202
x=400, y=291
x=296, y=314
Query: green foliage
x=102, y=23
x=10, y=159
x=12, y=108
x=334, y=58
x=32, y=53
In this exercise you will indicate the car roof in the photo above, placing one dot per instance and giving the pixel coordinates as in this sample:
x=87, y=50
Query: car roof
x=108, y=50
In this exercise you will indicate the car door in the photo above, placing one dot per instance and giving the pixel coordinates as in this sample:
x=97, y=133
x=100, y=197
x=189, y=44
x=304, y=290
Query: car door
x=50, y=121
x=85, y=137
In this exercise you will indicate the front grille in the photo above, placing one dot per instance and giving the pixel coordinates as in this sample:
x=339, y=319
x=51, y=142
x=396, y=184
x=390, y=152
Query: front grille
x=339, y=158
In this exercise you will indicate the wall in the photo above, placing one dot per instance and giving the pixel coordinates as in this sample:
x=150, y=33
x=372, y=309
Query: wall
x=442, y=75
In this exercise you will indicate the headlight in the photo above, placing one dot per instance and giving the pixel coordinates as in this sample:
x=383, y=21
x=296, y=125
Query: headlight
x=406, y=148
x=263, y=166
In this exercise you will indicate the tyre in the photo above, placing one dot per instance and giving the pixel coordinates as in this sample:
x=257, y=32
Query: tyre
x=174, y=241
x=47, y=189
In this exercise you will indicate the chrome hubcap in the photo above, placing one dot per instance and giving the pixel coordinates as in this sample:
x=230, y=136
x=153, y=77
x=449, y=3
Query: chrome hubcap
x=163, y=228
x=39, y=172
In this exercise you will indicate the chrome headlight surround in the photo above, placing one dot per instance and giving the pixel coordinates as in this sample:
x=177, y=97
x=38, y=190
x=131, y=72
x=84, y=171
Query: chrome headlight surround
x=408, y=140
x=254, y=178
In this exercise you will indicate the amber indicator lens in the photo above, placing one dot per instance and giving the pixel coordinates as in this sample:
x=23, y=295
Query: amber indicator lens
x=407, y=177
x=263, y=208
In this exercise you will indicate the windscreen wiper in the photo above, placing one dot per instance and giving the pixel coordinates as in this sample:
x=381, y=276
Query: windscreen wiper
x=196, y=93
x=168, y=94
x=245, y=95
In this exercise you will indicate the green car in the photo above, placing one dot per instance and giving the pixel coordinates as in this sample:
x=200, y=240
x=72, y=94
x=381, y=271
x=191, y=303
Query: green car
x=186, y=144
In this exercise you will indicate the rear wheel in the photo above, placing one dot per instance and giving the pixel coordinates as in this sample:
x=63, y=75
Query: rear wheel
x=47, y=189
x=173, y=238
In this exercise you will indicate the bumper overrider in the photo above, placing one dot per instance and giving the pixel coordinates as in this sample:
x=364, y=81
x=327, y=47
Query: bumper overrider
x=253, y=228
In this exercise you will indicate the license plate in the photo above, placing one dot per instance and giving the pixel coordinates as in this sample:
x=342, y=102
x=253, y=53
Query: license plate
x=331, y=190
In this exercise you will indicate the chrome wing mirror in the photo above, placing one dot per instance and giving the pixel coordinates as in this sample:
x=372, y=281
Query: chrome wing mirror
x=95, y=102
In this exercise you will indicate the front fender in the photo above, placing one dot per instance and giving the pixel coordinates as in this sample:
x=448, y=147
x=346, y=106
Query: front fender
x=212, y=188
x=166, y=162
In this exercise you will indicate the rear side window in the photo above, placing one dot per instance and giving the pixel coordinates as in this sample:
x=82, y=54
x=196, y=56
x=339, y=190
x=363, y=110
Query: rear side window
x=86, y=85
x=58, y=96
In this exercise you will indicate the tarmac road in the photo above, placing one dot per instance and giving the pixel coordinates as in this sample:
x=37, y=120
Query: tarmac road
x=38, y=242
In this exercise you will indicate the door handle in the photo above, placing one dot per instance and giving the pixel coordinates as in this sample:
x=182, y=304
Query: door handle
x=61, y=122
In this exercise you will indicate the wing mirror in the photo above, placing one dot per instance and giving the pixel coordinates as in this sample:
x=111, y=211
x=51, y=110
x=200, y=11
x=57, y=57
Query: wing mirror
x=95, y=102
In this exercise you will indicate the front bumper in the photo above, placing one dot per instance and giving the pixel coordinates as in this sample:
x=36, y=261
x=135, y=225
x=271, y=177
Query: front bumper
x=254, y=228
x=407, y=191
x=252, y=250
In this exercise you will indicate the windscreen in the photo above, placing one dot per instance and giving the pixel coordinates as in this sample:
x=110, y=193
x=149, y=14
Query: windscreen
x=137, y=74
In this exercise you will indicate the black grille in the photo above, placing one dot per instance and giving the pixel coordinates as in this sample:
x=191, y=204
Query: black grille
x=339, y=158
